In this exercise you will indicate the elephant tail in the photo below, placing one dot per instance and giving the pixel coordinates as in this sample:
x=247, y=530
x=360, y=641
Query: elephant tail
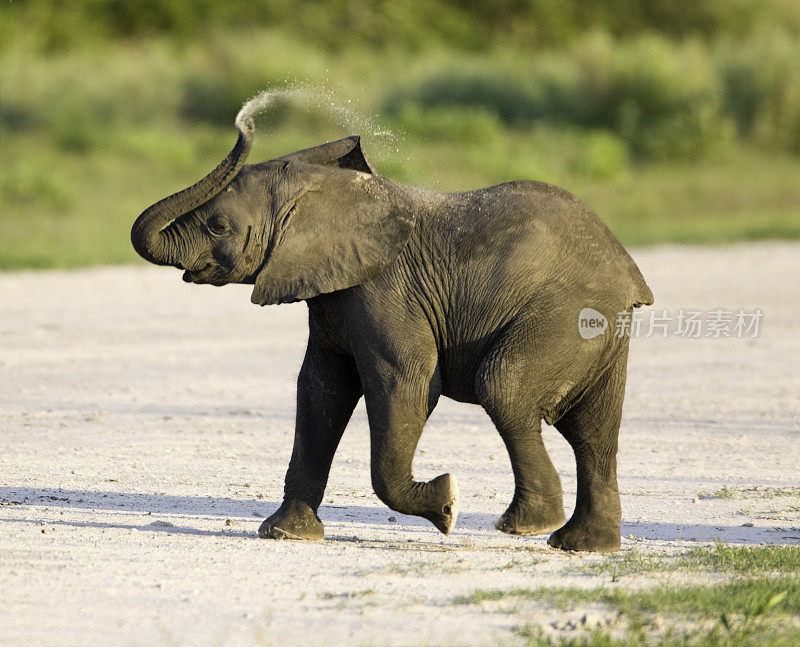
x=642, y=294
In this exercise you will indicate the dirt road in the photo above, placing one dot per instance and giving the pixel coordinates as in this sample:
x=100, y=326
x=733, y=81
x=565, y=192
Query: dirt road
x=146, y=426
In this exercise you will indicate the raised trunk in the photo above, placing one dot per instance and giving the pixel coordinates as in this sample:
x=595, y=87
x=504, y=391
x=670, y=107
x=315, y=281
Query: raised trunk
x=148, y=236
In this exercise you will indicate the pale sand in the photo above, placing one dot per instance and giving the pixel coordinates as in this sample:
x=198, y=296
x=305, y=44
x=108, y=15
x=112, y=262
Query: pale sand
x=140, y=413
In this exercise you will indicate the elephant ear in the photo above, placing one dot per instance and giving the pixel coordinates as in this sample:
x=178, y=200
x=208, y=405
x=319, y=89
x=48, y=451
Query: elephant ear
x=334, y=228
x=344, y=153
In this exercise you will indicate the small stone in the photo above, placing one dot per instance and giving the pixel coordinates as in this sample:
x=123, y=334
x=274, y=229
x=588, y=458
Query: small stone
x=394, y=520
x=231, y=522
x=161, y=524
x=695, y=500
x=747, y=525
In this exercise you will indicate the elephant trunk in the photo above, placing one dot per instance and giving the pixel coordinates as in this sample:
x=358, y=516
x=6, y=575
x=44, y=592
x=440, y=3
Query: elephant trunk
x=148, y=235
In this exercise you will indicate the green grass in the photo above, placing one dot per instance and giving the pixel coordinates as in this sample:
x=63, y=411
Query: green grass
x=724, y=492
x=754, y=492
x=422, y=567
x=740, y=597
x=761, y=610
x=519, y=564
x=745, y=560
x=759, y=605
x=756, y=631
x=630, y=562
x=722, y=558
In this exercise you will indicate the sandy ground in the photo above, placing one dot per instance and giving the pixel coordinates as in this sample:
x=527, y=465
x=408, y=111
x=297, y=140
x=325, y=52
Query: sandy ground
x=146, y=426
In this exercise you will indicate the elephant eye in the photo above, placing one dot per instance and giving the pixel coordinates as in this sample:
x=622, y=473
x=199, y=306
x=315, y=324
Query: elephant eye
x=217, y=225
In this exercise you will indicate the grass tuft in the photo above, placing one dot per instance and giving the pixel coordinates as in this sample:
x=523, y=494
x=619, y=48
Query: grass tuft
x=722, y=559
x=745, y=560
x=752, y=492
x=746, y=611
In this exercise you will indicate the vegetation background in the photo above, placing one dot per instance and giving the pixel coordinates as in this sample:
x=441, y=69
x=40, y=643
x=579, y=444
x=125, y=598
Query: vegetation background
x=675, y=120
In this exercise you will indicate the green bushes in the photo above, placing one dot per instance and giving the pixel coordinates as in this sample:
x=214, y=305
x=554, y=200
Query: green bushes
x=104, y=109
x=457, y=123
x=339, y=24
x=762, y=88
x=602, y=156
x=665, y=100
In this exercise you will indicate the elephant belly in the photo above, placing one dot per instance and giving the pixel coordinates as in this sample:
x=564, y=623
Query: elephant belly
x=459, y=363
x=460, y=387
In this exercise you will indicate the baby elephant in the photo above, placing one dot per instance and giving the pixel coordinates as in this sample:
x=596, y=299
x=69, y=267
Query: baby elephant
x=412, y=295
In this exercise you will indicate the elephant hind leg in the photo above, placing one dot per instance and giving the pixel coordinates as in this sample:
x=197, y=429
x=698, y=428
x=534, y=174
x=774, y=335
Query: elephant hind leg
x=537, y=506
x=591, y=427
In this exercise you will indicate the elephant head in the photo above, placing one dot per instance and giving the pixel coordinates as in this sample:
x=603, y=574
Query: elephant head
x=308, y=223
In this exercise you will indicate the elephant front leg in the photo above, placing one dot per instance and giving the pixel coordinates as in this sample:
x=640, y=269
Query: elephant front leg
x=328, y=389
x=398, y=408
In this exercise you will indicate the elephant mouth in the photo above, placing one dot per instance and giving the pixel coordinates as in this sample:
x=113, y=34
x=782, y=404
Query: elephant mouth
x=208, y=274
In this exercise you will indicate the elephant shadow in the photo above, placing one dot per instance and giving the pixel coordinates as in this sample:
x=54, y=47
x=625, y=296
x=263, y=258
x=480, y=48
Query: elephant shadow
x=223, y=508
x=339, y=518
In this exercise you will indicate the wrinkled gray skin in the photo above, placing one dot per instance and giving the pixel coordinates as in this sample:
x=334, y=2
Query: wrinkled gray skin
x=413, y=295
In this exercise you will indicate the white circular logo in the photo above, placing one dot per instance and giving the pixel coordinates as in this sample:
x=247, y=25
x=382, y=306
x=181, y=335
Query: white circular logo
x=591, y=323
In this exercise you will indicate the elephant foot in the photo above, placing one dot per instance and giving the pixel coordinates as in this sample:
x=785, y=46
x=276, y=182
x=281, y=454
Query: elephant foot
x=532, y=518
x=589, y=533
x=444, y=489
x=293, y=520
